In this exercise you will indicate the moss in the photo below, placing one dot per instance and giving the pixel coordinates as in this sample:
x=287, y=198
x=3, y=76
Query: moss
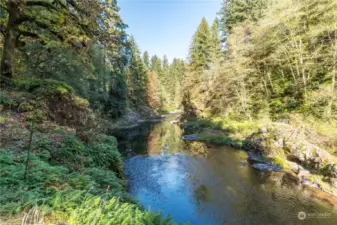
x=279, y=161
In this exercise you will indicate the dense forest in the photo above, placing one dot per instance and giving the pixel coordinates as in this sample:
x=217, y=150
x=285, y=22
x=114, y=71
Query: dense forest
x=69, y=71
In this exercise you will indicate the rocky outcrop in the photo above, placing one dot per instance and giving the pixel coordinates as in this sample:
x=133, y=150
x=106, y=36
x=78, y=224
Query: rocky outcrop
x=303, y=155
x=280, y=147
x=283, y=139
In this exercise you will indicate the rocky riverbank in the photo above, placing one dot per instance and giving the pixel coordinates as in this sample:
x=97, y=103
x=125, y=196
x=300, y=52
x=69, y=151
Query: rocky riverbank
x=300, y=153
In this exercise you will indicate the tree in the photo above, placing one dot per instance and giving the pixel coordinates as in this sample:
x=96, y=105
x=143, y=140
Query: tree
x=69, y=21
x=156, y=64
x=136, y=75
x=234, y=12
x=215, y=43
x=146, y=59
x=199, y=54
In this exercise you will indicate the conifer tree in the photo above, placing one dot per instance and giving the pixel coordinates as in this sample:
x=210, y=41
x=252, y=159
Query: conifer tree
x=200, y=55
x=146, y=59
x=234, y=12
x=215, y=43
x=136, y=75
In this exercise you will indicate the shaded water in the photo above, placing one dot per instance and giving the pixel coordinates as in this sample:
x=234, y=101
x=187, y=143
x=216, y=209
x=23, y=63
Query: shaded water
x=204, y=185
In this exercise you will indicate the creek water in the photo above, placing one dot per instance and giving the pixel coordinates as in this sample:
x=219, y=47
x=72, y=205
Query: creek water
x=197, y=183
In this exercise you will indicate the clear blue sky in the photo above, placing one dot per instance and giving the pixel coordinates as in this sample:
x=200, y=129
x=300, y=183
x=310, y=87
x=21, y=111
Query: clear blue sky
x=166, y=26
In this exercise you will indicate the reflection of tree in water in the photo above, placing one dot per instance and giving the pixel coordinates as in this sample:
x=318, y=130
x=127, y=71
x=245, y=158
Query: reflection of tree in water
x=165, y=138
x=196, y=148
x=201, y=193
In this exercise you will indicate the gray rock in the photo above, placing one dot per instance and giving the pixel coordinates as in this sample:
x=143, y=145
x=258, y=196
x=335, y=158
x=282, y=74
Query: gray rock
x=266, y=167
x=191, y=137
x=256, y=158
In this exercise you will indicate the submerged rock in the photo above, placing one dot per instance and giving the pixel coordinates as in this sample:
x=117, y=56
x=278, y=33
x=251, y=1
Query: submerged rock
x=266, y=167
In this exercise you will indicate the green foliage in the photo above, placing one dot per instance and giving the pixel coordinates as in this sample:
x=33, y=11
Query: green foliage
x=104, y=154
x=136, y=76
x=101, y=212
x=6, y=100
x=45, y=87
x=200, y=53
x=42, y=182
x=234, y=12
x=328, y=170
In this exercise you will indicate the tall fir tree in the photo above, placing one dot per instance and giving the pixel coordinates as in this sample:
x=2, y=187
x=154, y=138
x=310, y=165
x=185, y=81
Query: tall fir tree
x=136, y=75
x=234, y=12
x=199, y=54
x=215, y=43
x=146, y=59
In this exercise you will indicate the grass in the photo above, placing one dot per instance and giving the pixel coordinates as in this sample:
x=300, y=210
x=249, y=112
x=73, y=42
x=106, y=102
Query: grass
x=231, y=127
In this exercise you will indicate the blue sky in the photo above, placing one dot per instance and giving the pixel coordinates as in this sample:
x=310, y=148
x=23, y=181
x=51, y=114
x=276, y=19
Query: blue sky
x=166, y=26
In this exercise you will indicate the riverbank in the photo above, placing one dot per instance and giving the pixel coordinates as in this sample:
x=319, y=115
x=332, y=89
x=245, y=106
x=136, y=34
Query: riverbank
x=57, y=166
x=305, y=155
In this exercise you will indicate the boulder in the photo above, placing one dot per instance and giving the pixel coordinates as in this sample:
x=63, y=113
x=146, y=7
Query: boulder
x=266, y=167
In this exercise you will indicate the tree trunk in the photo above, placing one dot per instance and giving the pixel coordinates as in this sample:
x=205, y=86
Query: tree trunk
x=8, y=53
x=28, y=155
x=10, y=39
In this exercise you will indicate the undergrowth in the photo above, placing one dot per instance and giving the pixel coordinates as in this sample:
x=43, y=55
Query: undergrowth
x=70, y=182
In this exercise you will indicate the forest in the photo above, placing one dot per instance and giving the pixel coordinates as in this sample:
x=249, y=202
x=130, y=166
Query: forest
x=70, y=72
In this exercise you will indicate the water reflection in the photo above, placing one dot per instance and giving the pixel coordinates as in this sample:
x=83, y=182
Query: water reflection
x=210, y=185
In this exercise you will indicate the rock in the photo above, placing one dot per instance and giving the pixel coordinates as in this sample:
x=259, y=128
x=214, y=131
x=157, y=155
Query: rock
x=308, y=183
x=304, y=174
x=191, y=137
x=255, y=158
x=266, y=167
x=292, y=177
x=295, y=144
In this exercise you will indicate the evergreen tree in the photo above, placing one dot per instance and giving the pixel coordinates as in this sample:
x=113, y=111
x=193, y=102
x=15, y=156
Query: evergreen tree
x=146, y=59
x=156, y=64
x=236, y=11
x=136, y=76
x=215, y=43
x=199, y=54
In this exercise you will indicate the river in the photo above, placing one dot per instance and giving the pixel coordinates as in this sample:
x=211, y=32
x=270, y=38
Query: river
x=202, y=184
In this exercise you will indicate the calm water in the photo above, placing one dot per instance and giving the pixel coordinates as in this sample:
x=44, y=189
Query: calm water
x=199, y=184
